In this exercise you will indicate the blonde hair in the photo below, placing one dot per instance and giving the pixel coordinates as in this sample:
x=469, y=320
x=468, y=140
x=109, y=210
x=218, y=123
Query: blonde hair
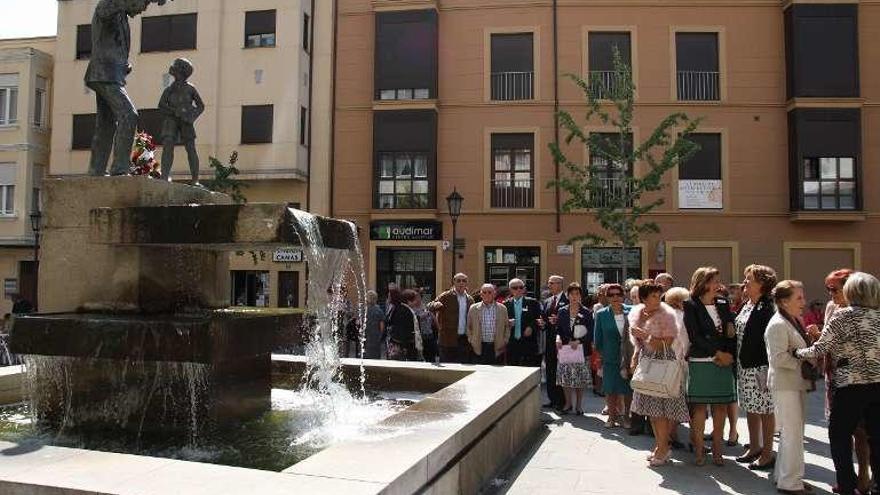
x=700, y=280
x=676, y=297
x=372, y=297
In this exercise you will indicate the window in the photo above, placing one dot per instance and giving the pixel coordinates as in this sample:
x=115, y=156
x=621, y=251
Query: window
x=288, y=289
x=256, y=124
x=611, y=174
x=603, y=77
x=40, y=99
x=303, y=126
x=7, y=189
x=506, y=263
x=36, y=196
x=405, y=144
x=825, y=159
x=698, y=77
x=166, y=33
x=699, y=179
x=83, y=41
x=259, y=28
x=605, y=266
x=829, y=183
x=513, y=171
x=83, y=130
x=408, y=268
x=403, y=180
x=513, y=67
x=822, y=50
x=406, y=55
x=306, y=32
x=8, y=99
x=250, y=288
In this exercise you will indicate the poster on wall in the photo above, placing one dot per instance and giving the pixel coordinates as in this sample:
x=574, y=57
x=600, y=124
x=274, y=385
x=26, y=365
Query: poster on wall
x=700, y=194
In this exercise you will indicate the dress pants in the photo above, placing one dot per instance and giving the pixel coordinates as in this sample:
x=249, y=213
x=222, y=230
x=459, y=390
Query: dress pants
x=522, y=353
x=460, y=353
x=487, y=354
x=551, y=361
x=115, y=124
x=790, y=407
x=852, y=404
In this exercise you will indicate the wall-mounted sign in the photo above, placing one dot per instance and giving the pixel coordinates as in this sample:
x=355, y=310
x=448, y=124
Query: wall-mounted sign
x=700, y=194
x=413, y=230
x=565, y=249
x=288, y=255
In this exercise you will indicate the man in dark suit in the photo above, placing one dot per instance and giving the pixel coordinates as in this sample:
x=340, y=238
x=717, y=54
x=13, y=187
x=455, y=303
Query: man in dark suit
x=524, y=314
x=552, y=305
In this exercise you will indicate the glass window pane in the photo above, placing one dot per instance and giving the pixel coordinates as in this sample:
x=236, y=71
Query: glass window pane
x=3, y=95
x=13, y=105
x=829, y=202
x=420, y=201
x=847, y=188
x=811, y=168
x=811, y=202
x=502, y=180
x=847, y=168
x=9, y=204
x=387, y=94
x=404, y=201
x=404, y=166
x=811, y=188
x=422, y=94
x=386, y=201
x=829, y=188
x=523, y=179
x=523, y=159
x=847, y=202
x=404, y=94
x=828, y=167
x=386, y=163
x=386, y=187
x=421, y=165
x=420, y=187
x=502, y=159
x=404, y=187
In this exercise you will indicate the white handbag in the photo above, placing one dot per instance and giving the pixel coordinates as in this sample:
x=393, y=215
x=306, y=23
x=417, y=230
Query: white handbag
x=657, y=377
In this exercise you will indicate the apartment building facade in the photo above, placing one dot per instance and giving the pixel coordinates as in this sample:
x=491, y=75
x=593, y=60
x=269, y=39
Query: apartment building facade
x=254, y=63
x=26, y=70
x=436, y=96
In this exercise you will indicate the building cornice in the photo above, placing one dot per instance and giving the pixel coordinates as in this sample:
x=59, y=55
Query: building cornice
x=8, y=55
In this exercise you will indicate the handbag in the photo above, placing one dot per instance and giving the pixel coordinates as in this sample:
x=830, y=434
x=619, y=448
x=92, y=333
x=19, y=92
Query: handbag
x=567, y=355
x=657, y=377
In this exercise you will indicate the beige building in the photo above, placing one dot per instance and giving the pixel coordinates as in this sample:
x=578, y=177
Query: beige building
x=439, y=95
x=257, y=65
x=25, y=126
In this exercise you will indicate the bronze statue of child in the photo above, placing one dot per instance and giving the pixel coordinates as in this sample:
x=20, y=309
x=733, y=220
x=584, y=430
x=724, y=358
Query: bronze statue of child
x=180, y=106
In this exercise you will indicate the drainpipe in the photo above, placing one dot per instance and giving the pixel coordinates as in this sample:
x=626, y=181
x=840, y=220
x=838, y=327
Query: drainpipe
x=311, y=94
x=556, y=110
x=333, y=109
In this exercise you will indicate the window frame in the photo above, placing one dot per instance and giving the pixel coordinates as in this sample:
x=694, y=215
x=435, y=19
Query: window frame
x=722, y=134
x=535, y=31
x=307, y=33
x=721, y=33
x=837, y=180
x=633, y=50
x=511, y=172
x=430, y=19
x=7, y=194
x=263, y=36
x=84, y=34
x=395, y=179
x=10, y=95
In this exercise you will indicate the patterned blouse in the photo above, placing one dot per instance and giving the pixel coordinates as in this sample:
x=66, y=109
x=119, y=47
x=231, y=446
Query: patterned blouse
x=852, y=336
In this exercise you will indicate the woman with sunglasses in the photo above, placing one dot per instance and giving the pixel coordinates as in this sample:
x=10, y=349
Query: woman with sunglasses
x=575, y=327
x=611, y=335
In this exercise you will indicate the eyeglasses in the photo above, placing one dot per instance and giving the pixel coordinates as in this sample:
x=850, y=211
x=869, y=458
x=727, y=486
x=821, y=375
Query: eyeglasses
x=614, y=294
x=519, y=287
x=832, y=290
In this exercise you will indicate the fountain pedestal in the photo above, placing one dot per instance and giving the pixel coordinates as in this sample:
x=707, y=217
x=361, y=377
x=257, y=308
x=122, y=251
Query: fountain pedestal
x=133, y=284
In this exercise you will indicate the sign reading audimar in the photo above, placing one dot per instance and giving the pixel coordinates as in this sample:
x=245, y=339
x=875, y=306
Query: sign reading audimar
x=414, y=230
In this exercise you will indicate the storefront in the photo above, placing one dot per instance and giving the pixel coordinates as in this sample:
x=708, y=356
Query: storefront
x=407, y=253
x=505, y=263
x=268, y=278
x=604, y=265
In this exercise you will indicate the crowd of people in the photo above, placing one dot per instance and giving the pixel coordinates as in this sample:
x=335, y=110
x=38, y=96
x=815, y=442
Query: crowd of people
x=754, y=346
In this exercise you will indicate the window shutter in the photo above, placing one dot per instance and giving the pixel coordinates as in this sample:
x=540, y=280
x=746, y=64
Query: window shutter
x=7, y=174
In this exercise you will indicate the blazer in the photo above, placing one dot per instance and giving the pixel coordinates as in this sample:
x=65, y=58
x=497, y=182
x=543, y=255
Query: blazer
x=705, y=339
x=475, y=331
x=447, y=316
x=785, y=369
x=402, y=325
x=531, y=313
x=583, y=317
x=608, y=340
x=108, y=62
x=753, y=351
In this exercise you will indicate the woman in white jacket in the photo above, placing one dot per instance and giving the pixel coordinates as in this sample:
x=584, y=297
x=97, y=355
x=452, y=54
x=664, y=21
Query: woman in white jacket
x=784, y=334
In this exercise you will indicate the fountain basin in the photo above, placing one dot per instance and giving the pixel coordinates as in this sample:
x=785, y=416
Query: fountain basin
x=452, y=441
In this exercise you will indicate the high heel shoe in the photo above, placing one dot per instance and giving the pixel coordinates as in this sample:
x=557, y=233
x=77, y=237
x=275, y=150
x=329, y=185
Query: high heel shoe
x=660, y=461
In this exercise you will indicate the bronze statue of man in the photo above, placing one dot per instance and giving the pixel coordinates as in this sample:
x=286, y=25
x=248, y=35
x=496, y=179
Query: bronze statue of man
x=116, y=119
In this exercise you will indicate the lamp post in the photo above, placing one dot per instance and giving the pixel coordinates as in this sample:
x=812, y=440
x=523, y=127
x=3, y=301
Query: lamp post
x=36, y=226
x=454, y=201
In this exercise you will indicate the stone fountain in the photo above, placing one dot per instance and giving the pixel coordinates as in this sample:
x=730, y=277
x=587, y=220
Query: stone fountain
x=134, y=290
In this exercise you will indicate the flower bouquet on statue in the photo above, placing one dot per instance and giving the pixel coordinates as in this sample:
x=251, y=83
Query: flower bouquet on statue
x=143, y=157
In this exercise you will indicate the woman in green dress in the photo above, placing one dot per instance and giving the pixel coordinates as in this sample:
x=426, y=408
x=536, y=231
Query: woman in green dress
x=611, y=337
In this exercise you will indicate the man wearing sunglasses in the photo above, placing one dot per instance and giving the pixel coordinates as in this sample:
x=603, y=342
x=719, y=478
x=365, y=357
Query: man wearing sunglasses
x=451, y=308
x=524, y=313
x=552, y=305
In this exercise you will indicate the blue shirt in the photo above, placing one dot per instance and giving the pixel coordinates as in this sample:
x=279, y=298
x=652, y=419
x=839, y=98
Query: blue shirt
x=517, y=312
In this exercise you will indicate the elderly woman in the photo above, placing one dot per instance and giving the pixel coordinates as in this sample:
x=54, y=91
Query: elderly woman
x=375, y=327
x=785, y=335
x=657, y=333
x=575, y=331
x=852, y=339
x=709, y=324
x=611, y=336
x=752, y=387
x=405, y=335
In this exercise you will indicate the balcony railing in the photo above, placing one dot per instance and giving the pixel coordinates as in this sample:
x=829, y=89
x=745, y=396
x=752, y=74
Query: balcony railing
x=604, y=84
x=510, y=86
x=699, y=86
x=612, y=189
x=509, y=193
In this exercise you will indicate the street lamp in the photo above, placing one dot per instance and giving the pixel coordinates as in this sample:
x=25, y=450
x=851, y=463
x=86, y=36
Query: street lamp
x=36, y=226
x=454, y=201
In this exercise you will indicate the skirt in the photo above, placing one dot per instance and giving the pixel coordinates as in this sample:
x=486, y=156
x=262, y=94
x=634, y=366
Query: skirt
x=709, y=383
x=754, y=397
x=674, y=409
x=575, y=375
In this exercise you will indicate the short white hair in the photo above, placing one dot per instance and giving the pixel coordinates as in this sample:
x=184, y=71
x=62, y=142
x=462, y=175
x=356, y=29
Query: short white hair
x=664, y=276
x=487, y=286
x=556, y=278
x=862, y=289
x=517, y=281
x=372, y=297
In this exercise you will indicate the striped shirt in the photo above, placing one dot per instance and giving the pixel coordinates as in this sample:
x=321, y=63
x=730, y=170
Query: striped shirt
x=487, y=322
x=852, y=337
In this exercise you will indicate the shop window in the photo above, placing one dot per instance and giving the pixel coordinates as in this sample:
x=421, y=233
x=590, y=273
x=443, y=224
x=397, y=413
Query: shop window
x=288, y=289
x=408, y=268
x=506, y=263
x=604, y=266
x=250, y=288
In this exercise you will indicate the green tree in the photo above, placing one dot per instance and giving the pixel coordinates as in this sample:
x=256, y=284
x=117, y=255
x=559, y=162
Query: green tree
x=607, y=183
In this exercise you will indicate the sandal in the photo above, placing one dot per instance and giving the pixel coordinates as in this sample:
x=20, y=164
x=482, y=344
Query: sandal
x=748, y=458
x=700, y=459
x=733, y=442
x=763, y=467
x=718, y=460
x=660, y=461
